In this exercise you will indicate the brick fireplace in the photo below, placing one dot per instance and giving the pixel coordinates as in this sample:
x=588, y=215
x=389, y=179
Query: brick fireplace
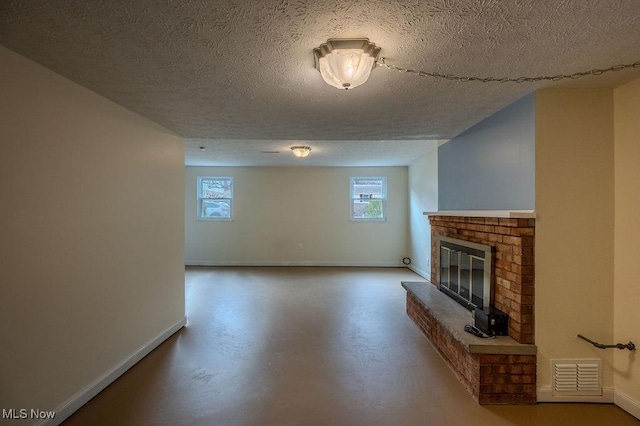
x=513, y=268
x=501, y=370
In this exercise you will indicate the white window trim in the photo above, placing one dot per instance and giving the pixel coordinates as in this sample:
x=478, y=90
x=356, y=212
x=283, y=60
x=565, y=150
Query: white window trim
x=384, y=200
x=199, y=200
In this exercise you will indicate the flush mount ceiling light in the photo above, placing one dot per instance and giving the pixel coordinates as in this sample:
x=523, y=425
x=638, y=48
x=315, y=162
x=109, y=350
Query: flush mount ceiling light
x=346, y=63
x=300, y=151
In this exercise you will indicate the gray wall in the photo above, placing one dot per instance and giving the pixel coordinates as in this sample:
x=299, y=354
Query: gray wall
x=491, y=166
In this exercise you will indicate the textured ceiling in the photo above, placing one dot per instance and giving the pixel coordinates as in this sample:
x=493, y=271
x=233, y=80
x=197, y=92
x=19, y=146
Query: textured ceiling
x=238, y=72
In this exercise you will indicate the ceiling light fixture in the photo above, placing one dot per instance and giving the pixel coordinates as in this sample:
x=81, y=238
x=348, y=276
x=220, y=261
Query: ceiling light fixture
x=300, y=151
x=346, y=63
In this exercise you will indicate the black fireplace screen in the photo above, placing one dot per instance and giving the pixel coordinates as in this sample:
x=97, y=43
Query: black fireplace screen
x=465, y=272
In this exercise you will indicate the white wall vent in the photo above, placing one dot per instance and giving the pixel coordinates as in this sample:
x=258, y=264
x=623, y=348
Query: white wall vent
x=571, y=377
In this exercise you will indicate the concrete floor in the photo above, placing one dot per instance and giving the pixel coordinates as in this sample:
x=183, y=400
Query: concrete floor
x=306, y=346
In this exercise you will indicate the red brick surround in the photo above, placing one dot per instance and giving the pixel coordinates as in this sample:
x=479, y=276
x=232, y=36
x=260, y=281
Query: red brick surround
x=490, y=378
x=513, y=266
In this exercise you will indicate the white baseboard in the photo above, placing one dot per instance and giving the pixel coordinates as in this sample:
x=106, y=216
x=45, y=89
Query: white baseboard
x=424, y=274
x=609, y=396
x=292, y=263
x=627, y=403
x=545, y=394
x=74, y=403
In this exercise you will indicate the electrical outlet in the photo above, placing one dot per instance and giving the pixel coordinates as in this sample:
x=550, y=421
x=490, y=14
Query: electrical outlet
x=300, y=246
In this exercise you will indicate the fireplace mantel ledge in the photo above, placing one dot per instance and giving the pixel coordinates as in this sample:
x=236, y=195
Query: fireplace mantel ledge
x=509, y=214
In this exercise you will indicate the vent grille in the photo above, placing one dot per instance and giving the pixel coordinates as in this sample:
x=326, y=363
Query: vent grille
x=576, y=377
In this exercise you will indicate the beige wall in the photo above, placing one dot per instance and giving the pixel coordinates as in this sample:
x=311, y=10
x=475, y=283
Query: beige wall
x=423, y=197
x=627, y=244
x=574, y=227
x=278, y=208
x=91, y=236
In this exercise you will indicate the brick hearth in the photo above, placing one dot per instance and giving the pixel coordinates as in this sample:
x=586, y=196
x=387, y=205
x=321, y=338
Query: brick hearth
x=494, y=371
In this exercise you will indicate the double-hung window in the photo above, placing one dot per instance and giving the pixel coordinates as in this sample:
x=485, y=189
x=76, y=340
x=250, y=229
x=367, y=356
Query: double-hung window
x=215, y=198
x=368, y=198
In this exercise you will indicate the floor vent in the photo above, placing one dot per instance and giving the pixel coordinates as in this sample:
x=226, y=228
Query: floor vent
x=572, y=377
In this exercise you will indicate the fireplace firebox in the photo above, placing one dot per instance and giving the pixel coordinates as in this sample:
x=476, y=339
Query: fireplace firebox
x=464, y=272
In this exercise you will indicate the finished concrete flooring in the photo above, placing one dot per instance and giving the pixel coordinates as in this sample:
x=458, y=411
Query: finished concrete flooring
x=306, y=346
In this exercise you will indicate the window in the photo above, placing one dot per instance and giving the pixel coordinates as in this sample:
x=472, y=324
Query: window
x=368, y=198
x=215, y=198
